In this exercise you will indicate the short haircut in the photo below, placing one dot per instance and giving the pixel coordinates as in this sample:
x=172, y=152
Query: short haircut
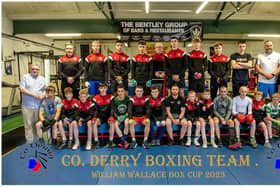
x=119, y=41
x=50, y=88
x=218, y=44
x=120, y=86
x=35, y=65
x=68, y=90
x=196, y=40
x=258, y=92
x=139, y=87
x=154, y=88
x=241, y=42
x=222, y=87
x=241, y=87
x=174, y=37
x=95, y=42
x=276, y=95
x=102, y=85
x=83, y=92
x=206, y=91
x=141, y=42
x=191, y=92
x=69, y=43
x=175, y=85
x=267, y=41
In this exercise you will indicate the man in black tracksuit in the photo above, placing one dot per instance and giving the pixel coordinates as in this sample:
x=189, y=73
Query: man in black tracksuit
x=219, y=69
x=176, y=62
x=119, y=66
x=141, y=68
x=70, y=69
x=197, y=66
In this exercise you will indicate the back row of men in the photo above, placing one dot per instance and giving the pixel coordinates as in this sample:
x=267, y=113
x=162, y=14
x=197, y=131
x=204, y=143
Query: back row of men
x=170, y=66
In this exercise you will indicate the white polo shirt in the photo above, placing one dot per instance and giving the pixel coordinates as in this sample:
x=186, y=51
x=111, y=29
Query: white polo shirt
x=269, y=64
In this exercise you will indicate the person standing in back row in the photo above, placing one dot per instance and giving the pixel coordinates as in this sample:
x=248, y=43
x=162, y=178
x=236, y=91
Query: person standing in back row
x=219, y=69
x=240, y=63
x=70, y=69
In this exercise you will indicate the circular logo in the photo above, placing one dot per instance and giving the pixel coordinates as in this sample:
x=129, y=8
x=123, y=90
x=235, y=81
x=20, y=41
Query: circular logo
x=122, y=108
x=36, y=159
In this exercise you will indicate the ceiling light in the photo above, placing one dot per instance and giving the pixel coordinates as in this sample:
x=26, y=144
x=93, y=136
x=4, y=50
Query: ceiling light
x=147, y=6
x=201, y=7
x=119, y=37
x=189, y=45
x=62, y=34
x=264, y=35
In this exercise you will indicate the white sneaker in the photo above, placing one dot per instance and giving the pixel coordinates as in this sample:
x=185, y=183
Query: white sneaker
x=204, y=145
x=88, y=146
x=214, y=145
x=188, y=144
x=75, y=146
x=196, y=143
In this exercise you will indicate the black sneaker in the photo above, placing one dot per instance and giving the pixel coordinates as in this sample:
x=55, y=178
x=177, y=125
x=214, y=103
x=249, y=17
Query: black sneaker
x=110, y=145
x=170, y=142
x=146, y=144
x=181, y=142
x=97, y=144
x=54, y=143
x=133, y=145
x=62, y=145
x=69, y=144
x=220, y=143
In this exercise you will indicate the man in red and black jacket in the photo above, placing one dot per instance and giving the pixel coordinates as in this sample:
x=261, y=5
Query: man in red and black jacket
x=119, y=66
x=96, y=69
x=176, y=62
x=219, y=69
x=102, y=114
x=141, y=68
x=139, y=112
x=197, y=67
x=70, y=69
x=157, y=67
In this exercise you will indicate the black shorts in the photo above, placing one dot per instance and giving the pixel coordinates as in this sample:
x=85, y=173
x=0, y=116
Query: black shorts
x=196, y=85
x=181, y=83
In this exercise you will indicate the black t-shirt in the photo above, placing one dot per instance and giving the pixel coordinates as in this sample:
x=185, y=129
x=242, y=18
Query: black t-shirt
x=175, y=104
x=240, y=74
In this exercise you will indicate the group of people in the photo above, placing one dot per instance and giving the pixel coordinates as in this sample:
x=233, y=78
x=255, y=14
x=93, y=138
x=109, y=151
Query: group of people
x=43, y=111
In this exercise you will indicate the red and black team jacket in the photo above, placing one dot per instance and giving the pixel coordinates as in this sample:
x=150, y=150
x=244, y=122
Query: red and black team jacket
x=96, y=67
x=176, y=62
x=258, y=110
x=206, y=104
x=197, y=63
x=219, y=67
x=140, y=70
x=138, y=107
x=70, y=67
x=119, y=65
x=156, y=63
x=192, y=110
x=157, y=108
x=84, y=111
x=102, y=105
x=68, y=108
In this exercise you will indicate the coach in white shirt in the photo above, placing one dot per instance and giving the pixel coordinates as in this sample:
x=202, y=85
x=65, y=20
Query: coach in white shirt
x=268, y=66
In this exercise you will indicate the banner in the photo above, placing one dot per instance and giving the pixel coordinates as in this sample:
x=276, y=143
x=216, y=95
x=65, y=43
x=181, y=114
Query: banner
x=160, y=30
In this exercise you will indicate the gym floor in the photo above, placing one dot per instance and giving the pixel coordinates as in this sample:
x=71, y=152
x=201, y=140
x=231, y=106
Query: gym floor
x=152, y=166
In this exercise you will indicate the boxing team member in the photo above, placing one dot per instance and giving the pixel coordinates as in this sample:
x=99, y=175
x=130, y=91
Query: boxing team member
x=102, y=113
x=219, y=69
x=141, y=68
x=242, y=114
x=119, y=66
x=197, y=66
x=96, y=68
x=139, y=112
x=70, y=69
x=175, y=109
x=176, y=63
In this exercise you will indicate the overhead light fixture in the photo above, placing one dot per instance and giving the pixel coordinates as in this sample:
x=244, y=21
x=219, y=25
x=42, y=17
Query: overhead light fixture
x=147, y=6
x=119, y=37
x=189, y=45
x=201, y=7
x=62, y=34
x=264, y=35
